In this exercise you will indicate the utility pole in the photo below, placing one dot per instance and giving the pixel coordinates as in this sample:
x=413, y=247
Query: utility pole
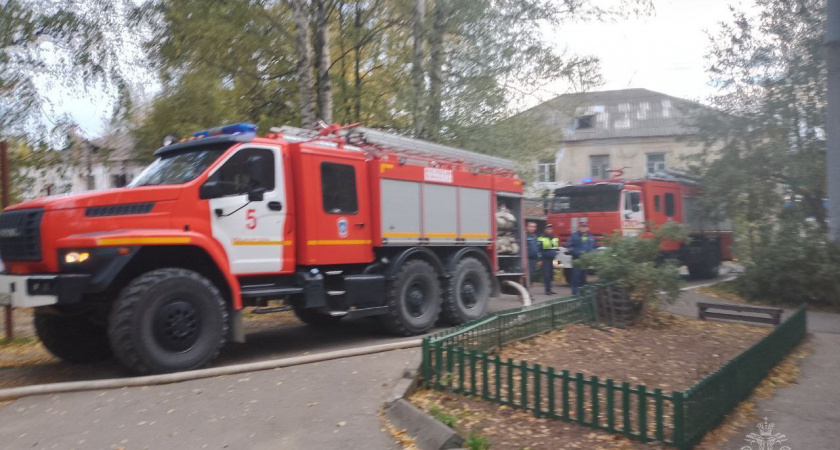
x=4, y=202
x=832, y=122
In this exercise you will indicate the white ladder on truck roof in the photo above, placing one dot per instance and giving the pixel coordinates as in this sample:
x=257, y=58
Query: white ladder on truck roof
x=405, y=145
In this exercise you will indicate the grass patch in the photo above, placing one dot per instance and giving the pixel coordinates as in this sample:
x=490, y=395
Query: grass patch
x=476, y=441
x=442, y=416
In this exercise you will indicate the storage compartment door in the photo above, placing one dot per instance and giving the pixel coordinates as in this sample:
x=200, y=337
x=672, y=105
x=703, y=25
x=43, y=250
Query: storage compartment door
x=400, y=212
x=440, y=213
x=475, y=213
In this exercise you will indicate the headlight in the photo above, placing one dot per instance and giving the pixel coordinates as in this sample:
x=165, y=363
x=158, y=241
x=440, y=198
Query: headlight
x=76, y=257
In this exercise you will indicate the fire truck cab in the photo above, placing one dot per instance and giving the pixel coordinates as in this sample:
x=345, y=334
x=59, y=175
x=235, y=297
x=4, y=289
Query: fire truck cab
x=348, y=222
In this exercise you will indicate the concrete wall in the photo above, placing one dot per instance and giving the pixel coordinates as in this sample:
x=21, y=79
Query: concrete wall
x=573, y=162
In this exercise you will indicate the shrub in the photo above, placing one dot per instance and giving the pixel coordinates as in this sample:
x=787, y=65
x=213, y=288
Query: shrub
x=792, y=262
x=636, y=262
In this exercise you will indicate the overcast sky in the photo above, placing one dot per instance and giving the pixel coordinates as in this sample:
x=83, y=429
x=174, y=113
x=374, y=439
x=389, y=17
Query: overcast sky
x=664, y=52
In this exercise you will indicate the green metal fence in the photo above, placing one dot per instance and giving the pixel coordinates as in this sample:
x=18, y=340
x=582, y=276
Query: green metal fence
x=459, y=361
x=708, y=402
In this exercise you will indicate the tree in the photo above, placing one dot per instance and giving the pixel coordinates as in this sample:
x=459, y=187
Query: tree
x=308, y=117
x=764, y=158
x=635, y=261
x=418, y=36
x=768, y=146
x=72, y=42
x=459, y=77
x=323, y=60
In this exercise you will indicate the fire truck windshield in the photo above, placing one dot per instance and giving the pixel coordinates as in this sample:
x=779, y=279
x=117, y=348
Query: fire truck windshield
x=586, y=201
x=179, y=167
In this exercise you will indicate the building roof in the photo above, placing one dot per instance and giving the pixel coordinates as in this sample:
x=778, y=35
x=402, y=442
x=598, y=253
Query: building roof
x=616, y=114
x=119, y=145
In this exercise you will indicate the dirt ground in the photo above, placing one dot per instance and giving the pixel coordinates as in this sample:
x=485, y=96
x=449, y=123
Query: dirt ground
x=673, y=356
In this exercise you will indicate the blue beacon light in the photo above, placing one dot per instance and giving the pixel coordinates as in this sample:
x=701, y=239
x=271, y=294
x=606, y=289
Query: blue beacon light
x=243, y=128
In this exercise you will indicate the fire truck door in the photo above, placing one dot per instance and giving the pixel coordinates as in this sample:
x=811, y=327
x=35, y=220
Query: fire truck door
x=632, y=213
x=251, y=232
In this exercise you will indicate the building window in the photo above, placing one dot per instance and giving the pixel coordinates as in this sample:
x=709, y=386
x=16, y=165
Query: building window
x=666, y=108
x=623, y=121
x=547, y=171
x=599, y=165
x=583, y=122
x=642, y=113
x=338, y=188
x=655, y=163
x=657, y=204
x=119, y=180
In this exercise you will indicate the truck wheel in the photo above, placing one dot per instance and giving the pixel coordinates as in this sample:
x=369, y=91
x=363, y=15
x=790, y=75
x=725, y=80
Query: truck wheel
x=168, y=320
x=312, y=317
x=704, y=271
x=708, y=267
x=414, y=300
x=467, y=293
x=72, y=338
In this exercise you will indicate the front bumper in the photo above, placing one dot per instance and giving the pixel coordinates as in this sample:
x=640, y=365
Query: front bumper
x=30, y=291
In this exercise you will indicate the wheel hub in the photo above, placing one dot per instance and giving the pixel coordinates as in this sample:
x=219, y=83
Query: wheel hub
x=177, y=325
x=468, y=294
x=416, y=299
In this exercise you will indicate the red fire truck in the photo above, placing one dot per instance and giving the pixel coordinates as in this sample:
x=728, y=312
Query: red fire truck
x=348, y=222
x=629, y=207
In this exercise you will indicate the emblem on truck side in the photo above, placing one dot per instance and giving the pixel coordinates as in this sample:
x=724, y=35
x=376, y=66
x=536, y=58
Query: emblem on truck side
x=343, y=227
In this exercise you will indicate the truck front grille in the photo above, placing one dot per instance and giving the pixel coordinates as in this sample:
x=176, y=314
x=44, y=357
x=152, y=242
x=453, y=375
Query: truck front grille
x=20, y=235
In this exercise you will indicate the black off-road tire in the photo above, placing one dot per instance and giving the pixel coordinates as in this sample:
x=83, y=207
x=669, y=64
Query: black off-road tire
x=72, y=338
x=467, y=293
x=312, y=317
x=709, y=267
x=414, y=299
x=168, y=320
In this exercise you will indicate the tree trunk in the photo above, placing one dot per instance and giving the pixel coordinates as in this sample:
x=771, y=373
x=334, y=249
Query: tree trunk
x=322, y=60
x=436, y=69
x=418, y=21
x=357, y=67
x=308, y=118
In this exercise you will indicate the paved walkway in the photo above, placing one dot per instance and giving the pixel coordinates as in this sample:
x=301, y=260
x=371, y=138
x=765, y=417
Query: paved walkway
x=807, y=413
x=333, y=404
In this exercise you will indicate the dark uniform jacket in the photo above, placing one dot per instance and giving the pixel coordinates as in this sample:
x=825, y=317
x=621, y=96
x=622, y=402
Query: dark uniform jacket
x=580, y=243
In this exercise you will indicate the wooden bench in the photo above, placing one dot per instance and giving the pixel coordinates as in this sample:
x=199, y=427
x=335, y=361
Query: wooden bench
x=774, y=314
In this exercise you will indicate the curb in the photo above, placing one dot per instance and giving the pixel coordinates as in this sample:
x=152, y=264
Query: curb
x=428, y=432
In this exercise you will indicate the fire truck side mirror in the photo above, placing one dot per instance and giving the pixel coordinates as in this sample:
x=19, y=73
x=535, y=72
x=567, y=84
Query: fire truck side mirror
x=210, y=189
x=256, y=194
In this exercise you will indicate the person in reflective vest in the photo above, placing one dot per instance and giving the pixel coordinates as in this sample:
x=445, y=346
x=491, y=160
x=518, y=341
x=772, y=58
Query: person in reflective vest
x=580, y=242
x=548, y=251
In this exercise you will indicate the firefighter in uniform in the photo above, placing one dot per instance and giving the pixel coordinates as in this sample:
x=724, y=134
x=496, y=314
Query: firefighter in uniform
x=548, y=251
x=533, y=247
x=580, y=242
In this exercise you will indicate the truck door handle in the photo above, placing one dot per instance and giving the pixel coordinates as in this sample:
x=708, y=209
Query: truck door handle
x=275, y=206
x=360, y=225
